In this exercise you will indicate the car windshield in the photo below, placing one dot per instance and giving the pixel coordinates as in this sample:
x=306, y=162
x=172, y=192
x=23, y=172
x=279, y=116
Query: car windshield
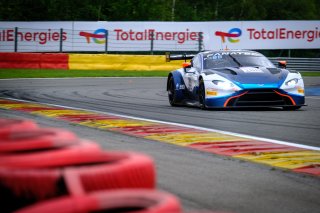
x=235, y=60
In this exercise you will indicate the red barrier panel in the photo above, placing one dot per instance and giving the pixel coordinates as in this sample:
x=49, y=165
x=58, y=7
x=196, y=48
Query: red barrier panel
x=54, y=61
x=34, y=60
x=20, y=60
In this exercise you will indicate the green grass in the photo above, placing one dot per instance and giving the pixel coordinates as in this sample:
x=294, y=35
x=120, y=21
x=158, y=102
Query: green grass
x=316, y=74
x=45, y=73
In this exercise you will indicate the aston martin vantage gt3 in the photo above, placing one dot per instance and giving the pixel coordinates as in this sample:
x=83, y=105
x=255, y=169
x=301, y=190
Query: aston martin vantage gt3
x=234, y=78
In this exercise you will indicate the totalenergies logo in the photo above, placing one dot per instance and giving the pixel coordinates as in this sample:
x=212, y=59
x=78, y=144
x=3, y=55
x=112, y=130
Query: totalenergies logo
x=99, y=36
x=231, y=35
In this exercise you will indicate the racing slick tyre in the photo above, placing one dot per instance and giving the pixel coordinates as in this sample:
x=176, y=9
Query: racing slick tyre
x=124, y=201
x=289, y=108
x=171, y=91
x=35, y=139
x=8, y=126
x=202, y=94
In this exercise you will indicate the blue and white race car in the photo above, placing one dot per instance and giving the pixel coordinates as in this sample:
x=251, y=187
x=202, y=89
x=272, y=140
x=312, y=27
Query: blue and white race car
x=234, y=78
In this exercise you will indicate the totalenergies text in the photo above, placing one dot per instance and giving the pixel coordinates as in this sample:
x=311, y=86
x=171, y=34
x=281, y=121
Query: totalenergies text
x=41, y=37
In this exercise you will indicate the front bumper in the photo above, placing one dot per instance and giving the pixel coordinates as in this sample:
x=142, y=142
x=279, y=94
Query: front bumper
x=256, y=98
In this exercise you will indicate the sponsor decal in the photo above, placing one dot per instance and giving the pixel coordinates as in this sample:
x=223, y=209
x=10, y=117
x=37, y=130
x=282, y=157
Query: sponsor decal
x=231, y=35
x=211, y=92
x=99, y=36
x=251, y=70
x=301, y=90
x=283, y=33
x=149, y=34
x=217, y=56
x=180, y=86
x=41, y=37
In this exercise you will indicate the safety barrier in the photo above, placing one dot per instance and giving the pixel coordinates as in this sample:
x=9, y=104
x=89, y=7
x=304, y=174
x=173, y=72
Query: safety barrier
x=34, y=60
x=299, y=64
x=52, y=170
x=86, y=61
x=119, y=62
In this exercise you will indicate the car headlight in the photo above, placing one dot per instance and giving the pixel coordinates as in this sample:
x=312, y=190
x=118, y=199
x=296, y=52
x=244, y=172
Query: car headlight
x=223, y=84
x=292, y=82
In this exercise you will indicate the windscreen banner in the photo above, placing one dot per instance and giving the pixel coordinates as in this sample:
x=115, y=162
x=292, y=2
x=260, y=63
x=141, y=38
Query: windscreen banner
x=106, y=36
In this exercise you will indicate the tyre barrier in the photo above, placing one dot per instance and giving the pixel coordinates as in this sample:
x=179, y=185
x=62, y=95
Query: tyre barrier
x=93, y=171
x=52, y=170
x=51, y=157
x=7, y=126
x=121, y=201
x=19, y=140
x=112, y=170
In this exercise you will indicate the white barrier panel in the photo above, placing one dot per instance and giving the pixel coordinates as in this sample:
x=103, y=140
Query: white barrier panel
x=167, y=36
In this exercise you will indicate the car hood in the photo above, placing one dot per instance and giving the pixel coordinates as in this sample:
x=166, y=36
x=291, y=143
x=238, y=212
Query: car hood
x=253, y=77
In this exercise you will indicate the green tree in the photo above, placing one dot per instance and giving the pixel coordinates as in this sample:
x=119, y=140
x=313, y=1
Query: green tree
x=158, y=10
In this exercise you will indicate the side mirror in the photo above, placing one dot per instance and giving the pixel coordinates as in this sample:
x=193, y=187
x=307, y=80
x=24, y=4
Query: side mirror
x=186, y=65
x=282, y=64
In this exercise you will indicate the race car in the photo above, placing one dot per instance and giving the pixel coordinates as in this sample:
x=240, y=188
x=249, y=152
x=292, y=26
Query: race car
x=232, y=79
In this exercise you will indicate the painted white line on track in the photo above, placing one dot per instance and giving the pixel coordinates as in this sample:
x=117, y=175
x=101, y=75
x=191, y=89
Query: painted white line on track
x=182, y=125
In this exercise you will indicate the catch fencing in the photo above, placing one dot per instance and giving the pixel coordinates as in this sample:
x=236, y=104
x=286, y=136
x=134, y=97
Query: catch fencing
x=71, y=40
x=117, y=41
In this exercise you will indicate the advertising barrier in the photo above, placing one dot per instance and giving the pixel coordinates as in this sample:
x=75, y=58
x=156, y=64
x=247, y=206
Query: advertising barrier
x=86, y=61
x=34, y=60
x=120, y=62
x=106, y=36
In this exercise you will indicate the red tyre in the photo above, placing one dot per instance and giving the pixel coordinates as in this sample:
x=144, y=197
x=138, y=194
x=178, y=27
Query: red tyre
x=29, y=177
x=51, y=157
x=35, y=139
x=78, y=172
x=7, y=126
x=112, y=171
x=124, y=201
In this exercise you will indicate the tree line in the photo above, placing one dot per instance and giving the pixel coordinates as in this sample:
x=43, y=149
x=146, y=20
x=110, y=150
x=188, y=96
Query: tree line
x=158, y=10
x=165, y=10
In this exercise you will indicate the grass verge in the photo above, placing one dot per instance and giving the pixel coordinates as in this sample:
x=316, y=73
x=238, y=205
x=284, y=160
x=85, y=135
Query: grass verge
x=47, y=73
x=315, y=74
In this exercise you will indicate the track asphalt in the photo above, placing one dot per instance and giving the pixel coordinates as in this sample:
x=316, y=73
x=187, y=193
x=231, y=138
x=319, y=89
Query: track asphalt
x=202, y=180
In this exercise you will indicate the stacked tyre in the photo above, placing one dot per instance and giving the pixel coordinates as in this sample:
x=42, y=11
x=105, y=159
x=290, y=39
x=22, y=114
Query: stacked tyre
x=52, y=170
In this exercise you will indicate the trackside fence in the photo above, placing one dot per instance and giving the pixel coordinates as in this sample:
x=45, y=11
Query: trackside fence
x=70, y=40
x=299, y=64
x=62, y=40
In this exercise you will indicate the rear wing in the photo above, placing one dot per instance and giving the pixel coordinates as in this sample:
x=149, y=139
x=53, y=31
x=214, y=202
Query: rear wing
x=178, y=57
